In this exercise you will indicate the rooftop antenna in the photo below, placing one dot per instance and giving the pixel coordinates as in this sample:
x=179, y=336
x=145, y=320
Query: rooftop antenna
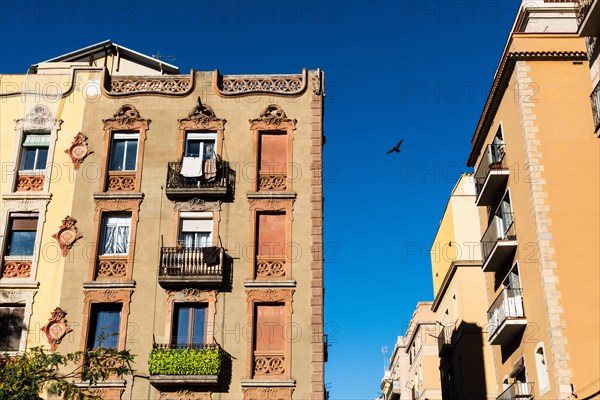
x=158, y=56
x=384, y=351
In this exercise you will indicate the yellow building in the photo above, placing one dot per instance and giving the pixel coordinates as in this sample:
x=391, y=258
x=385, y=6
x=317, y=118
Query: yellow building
x=198, y=208
x=538, y=184
x=466, y=363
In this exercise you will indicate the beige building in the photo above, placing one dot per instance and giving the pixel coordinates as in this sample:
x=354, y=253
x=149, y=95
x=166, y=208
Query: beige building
x=538, y=183
x=193, y=225
x=466, y=363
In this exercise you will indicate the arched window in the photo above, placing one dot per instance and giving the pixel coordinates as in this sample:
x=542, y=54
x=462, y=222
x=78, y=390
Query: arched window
x=542, y=368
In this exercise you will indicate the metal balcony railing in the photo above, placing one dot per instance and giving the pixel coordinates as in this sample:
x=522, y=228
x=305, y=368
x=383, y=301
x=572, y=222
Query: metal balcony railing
x=179, y=184
x=445, y=338
x=595, y=100
x=493, y=159
x=501, y=228
x=191, y=261
x=509, y=304
x=518, y=390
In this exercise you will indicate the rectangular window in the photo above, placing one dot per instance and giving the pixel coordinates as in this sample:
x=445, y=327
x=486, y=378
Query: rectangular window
x=105, y=325
x=11, y=321
x=200, y=144
x=115, y=234
x=123, y=152
x=189, y=324
x=21, y=234
x=196, y=229
x=35, y=151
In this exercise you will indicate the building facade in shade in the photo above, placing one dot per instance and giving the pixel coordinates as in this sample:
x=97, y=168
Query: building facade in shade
x=537, y=171
x=588, y=22
x=192, y=226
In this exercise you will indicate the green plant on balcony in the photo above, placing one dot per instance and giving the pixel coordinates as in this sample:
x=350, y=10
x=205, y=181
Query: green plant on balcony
x=186, y=361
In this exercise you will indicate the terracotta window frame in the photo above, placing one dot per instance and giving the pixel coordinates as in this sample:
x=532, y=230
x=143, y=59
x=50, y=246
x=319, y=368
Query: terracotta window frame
x=190, y=296
x=22, y=206
x=104, y=207
x=258, y=206
x=272, y=120
x=201, y=119
x=269, y=296
x=108, y=296
x=38, y=120
x=126, y=120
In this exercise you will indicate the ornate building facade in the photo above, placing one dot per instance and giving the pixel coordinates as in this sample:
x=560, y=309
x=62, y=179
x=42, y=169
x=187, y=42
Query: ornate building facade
x=189, y=230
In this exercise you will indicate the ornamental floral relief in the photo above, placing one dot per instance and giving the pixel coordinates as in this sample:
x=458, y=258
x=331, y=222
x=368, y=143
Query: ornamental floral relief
x=67, y=235
x=268, y=393
x=78, y=150
x=56, y=328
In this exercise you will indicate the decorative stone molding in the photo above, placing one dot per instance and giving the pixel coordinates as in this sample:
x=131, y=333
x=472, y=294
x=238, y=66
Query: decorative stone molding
x=39, y=118
x=269, y=365
x=27, y=183
x=118, y=204
x=202, y=116
x=167, y=84
x=105, y=393
x=316, y=82
x=67, y=235
x=270, y=295
x=231, y=85
x=270, y=393
x=78, y=150
x=274, y=116
x=16, y=269
x=127, y=116
x=185, y=394
x=90, y=297
x=197, y=204
x=56, y=328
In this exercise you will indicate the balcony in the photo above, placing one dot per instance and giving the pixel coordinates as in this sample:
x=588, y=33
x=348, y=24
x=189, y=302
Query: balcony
x=445, y=340
x=188, y=365
x=221, y=186
x=185, y=266
x=588, y=17
x=506, y=317
x=595, y=100
x=518, y=390
x=491, y=175
x=499, y=242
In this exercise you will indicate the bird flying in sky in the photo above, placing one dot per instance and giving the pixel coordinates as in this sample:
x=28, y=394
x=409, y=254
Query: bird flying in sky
x=396, y=148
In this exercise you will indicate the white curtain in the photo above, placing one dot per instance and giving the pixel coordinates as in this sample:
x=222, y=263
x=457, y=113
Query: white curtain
x=116, y=235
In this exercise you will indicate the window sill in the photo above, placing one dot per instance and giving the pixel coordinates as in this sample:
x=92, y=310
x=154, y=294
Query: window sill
x=18, y=283
x=108, y=284
x=270, y=283
x=271, y=195
x=268, y=382
x=117, y=383
x=27, y=195
x=118, y=194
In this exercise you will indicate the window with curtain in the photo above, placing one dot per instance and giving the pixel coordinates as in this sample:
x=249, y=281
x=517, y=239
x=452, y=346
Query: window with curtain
x=21, y=234
x=34, y=155
x=200, y=144
x=105, y=326
x=11, y=321
x=115, y=234
x=189, y=324
x=123, y=152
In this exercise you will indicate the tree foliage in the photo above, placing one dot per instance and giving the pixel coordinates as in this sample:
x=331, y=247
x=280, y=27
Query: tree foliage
x=25, y=376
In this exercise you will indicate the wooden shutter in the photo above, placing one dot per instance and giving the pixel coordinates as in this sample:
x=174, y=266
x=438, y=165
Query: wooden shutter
x=271, y=234
x=270, y=328
x=273, y=152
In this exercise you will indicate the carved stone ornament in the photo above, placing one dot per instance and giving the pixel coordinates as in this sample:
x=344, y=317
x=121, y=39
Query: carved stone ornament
x=197, y=204
x=56, y=328
x=67, y=235
x=106, y=394
x=126, y=115
x=201, y=114
x=315, y=82
x=185, y=394
x=273, y=115
x=10, y=296
x=79, y=150
x=39, y=118
x=268, y=393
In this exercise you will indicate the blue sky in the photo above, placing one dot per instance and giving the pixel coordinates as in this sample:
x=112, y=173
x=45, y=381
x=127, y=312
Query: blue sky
x=417, y=70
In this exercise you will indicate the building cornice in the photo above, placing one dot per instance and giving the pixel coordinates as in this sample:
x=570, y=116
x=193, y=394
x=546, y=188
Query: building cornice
x=454, y=265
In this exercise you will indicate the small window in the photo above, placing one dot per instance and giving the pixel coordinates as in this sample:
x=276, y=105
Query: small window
x=199, y=144
x=21, y=235
x=542, y=369
x=123, y=152
x=34, y=155
x=189, y=324
x=196, y=229
x=105, y=326
x=11, y=321
x=115, y=234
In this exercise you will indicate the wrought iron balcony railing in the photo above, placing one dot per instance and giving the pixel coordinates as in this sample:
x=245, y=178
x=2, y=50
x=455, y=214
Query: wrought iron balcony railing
x=491, y=174
x=445, y=339
x=186, y=265
x=501, y=229
x=508, y=304
x=595, y=100
x=221, y=185
x=518, y=390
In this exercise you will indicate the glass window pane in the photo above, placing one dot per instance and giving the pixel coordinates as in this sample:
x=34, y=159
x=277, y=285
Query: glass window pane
x=209, y=149
x=181, y=325
x=198, y=335
x=21, y=243
x=192, y=148
x=131, y=155
x=116, y=155
x=42, y=157
x=106, y=328
x=28, y=161
x=11, y=319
